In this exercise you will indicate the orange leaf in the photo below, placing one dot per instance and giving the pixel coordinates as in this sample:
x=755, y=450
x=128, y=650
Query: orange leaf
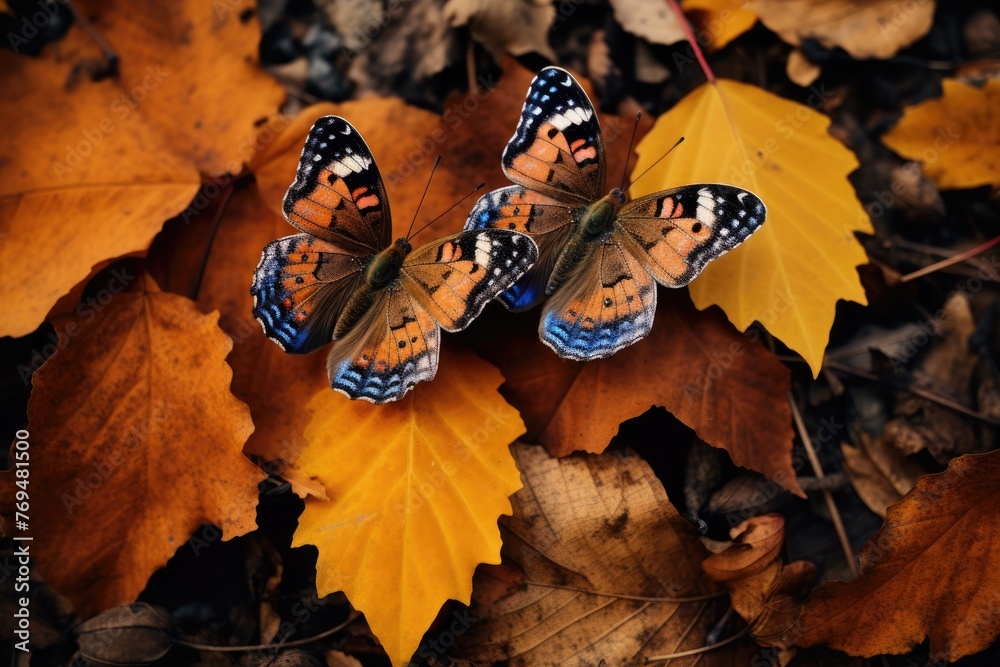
x=415, y=490
x=191, y=68
x=718, y=22
x=135, y=442
x=75, y=188
x=761, y=587
x=956, y=137
x=725, y=386
x=931, y=570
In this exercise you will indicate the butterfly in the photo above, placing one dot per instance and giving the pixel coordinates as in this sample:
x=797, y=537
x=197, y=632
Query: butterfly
x=343, y=279
x=600, y=256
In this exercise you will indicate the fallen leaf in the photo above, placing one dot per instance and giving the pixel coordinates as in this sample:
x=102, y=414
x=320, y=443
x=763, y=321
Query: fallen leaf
x=192, y=69
x=956, y=137
x=725, y=386
x=653, y=21
x=607, y=562
x=800, y=69
x=863, y=28
x=107, y=168
x=125, y=464
x=276, y=386
x=790, y=275
x=505, y=26
x=930, y=571
x=764, y=591
x=718, y=22
x=879, y=472
x=415, y=490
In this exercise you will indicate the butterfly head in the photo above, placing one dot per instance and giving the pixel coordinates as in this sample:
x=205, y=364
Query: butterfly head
x=384, y=268
x=618, y=196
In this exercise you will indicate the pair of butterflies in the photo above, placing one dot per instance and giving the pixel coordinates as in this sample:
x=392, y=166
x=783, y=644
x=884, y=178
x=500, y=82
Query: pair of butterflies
x=555, y=233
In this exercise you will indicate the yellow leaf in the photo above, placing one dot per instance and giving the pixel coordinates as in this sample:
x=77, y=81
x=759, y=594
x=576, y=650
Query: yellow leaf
x=790, y=275
x=718, y=22
x=956, y=137
x=415, y=490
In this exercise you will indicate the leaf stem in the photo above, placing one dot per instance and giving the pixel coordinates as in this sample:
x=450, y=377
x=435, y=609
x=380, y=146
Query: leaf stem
x=689, y=34
x=831, y=506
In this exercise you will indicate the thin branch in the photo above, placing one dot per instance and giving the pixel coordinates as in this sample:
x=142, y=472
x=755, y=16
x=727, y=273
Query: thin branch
x=954, y=259
x=838, y=523
x=689, y=35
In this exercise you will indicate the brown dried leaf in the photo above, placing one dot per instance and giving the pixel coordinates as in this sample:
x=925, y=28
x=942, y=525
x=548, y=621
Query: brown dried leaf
x=930, y=571
x=595, y=536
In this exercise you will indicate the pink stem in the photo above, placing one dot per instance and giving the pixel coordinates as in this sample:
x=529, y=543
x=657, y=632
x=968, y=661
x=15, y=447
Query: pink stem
x=689, y=34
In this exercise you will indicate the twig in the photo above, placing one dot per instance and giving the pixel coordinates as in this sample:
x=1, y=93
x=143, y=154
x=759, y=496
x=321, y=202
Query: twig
x=106, y=49
x=954, y=259
x=704, y=649
x=298, y=642
x=831, y=482
x=838, y=523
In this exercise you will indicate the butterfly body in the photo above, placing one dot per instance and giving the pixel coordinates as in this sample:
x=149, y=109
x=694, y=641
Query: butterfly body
x=600, y=256
x=382, y=304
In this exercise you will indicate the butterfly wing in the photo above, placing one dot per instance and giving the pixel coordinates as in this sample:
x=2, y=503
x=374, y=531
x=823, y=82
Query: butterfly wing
x=338, y=194
x=392, y=348
x=299, y=289
x=675, y=233
x=548, y=221
x=455, y=277
x=557, y=147
x=607, y=304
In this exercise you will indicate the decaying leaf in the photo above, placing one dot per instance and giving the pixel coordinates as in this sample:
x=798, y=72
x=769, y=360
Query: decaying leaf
x=725, y=386
x=764, y=591
x=956, y=137
x=653, y=21
x=879, y=472
x=863, y=28
x=791, y=273
x=94, y=184
x=607, y=563
x=120, y=440
x=415, y=490
x=930, y=571
x=516, y=27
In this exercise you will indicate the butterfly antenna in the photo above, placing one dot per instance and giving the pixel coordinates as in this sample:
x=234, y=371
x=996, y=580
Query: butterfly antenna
x=426, y=188
x=450, y=209
x=628, y=155
x=678, y=143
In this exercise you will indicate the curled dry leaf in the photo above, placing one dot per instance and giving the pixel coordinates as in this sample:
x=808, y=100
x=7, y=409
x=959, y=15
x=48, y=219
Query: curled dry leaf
x=133, y=634
x=789, y=275
x=415, y=490
x=120, y=442
x=607, y=562
x=727, y=387
x=956, y=137
x=863, y=28
x=764, y=591
x=506, y=26
x=930, y=571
